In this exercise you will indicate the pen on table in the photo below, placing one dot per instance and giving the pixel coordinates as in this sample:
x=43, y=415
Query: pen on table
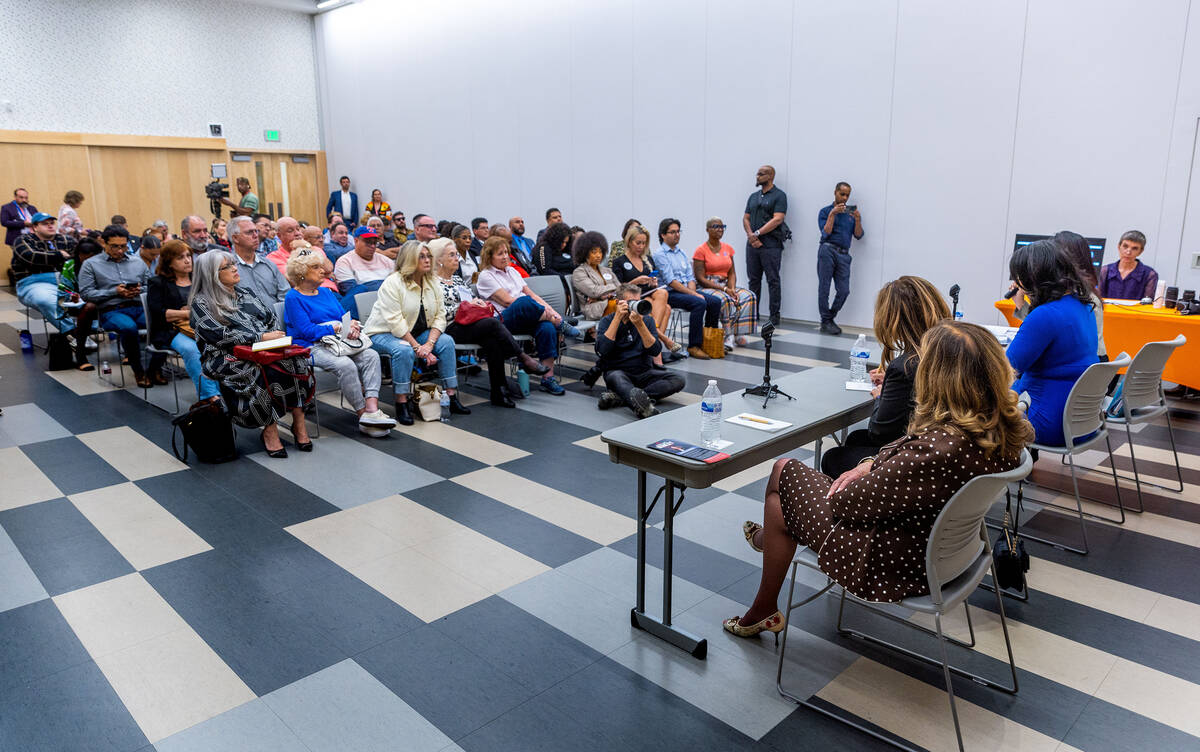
x=743, y=416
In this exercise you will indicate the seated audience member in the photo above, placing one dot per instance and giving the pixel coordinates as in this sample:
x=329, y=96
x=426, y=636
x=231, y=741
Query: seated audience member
x=223, y=315
x=618, y=246
x=335, y=219
x=523, y=311
x=194, y=232
x=552, y=254
x=595, y=285
x=84, y=312
x=377, y=207
x=480, y=231
x=468, y=261
x=313, y=312
x=167, y=296
x=521, y=245
x=290, y=237
x=69, y=222
x=393, y=238
x=408, y=321
x=1057, y=341
x=553, y=217
x=1077, y=250
x=444, y=227
x=966, y=423
x=377, y=224
x=114, y=281
x=363, y=265
x=314, y=236
x=396, y=228
x=266, y=243
x=489, y=332
x=217, y=233
x=257, y=274
x=1127, y=278
x=135, y=241
x=712, y=263
x=339, y=243
x=149, y=251
x=158, y=230
x=635, y=267
x=905, y=309
x=626, y=344
x=424, y=228
x=501, y=229
x=680, y=281
x=37, y=257
x=519, y=258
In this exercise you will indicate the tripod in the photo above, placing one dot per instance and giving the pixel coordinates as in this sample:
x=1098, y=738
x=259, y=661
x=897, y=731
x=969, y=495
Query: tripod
x=767, y=390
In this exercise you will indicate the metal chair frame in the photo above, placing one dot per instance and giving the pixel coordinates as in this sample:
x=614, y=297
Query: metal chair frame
x=958, y=545
x=153, y=350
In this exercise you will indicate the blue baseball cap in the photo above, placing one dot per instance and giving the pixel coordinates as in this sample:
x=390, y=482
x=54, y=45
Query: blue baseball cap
x=42, y=217
x=366, y=231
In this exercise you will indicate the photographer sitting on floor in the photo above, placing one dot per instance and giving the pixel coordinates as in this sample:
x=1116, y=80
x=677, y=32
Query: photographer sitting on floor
x=627, y=342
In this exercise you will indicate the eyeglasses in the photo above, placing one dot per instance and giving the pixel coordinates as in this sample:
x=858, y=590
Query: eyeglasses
x=425, y=256
x=427, y=224
x=226, y=267
x=716, y=227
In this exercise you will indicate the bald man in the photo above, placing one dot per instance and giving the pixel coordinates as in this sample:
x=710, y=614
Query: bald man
x=765, y=233
x=288, y=231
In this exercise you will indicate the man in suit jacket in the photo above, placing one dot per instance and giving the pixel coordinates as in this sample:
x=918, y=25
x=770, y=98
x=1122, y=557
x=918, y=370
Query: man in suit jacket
x=480, y=231
x=17, y=216
x=343, y=202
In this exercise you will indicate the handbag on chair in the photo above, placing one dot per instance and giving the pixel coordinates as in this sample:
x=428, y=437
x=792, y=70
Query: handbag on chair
x=1009, y=556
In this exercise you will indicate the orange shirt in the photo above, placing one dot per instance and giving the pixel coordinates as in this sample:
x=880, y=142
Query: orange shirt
x=715, y=264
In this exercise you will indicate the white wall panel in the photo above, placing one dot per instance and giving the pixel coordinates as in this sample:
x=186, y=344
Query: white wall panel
x=951, y=147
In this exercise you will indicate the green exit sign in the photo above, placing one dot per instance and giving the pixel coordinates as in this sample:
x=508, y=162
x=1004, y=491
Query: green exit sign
x=271, y=135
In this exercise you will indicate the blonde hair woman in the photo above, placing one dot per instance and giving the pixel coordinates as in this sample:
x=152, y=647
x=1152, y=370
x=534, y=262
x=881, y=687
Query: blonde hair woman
x=966, y=423
x=408, y=322
x=312, y=312
x=634, y=267
x=905, y=309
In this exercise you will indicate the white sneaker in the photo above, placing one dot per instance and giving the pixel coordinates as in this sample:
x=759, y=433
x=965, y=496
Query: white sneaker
x=729, y=343
x=377, y=419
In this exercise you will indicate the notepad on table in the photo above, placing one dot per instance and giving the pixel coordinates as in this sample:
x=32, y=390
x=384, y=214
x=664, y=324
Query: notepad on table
x=859, y=386
x=271, y=344
x=757, y=421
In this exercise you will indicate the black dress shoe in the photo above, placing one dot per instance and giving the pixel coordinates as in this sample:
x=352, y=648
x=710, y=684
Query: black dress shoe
x=457, y=407
x=403, y=414
x=279, y=453
x=304, y=446
x=828, y=327
x=500, y=399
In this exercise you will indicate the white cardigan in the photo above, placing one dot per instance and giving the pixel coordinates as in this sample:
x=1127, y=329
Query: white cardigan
x=399, y=303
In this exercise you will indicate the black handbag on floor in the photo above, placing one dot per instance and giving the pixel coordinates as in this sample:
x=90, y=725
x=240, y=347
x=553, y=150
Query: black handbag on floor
x=1009, y=556
x=208, y=431
x=61, y=355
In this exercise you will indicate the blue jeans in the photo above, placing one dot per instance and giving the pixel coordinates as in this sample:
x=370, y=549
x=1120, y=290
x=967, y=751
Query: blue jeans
x=832, y=264
x=702, y=311
x=125, y=322
x=404, y=357
x=524, y=316
x=40, y=291
x=190, y=355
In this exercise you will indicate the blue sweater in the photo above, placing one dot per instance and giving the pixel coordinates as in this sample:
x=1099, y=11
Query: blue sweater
x=1054, y=346
x=308, y=315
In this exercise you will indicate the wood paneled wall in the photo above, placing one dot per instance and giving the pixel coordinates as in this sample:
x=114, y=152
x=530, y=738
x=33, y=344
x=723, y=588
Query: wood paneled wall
x=147, y=178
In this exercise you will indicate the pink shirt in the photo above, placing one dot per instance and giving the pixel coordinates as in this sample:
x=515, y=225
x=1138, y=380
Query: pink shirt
x=353, y=267
x=280, y=258
x=492, y=279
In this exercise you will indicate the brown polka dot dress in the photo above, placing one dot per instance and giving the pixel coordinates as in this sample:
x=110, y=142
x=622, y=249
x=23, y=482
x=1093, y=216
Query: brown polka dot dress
x=871, y=536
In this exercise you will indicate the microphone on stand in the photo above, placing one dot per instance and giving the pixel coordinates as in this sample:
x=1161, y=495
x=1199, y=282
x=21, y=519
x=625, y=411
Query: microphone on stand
x=954, y=291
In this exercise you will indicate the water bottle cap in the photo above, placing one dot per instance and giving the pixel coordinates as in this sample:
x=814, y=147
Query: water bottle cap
x=712, y=382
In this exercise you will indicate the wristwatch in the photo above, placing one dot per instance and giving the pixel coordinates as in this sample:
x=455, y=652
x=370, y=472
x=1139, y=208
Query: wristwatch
x=756, y=233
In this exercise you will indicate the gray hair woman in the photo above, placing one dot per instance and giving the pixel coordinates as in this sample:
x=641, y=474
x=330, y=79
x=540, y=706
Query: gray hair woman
x=313, y=314
x=223, y=316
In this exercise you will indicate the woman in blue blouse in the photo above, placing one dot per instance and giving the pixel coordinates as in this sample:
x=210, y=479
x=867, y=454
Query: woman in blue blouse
x=1057, y=341
x=312, y=312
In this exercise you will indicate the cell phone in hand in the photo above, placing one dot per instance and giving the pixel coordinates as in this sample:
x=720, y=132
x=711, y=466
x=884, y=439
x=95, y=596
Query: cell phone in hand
x=852, y=208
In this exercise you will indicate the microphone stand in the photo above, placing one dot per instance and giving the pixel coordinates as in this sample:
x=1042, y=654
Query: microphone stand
x=954, y=297
x=767, y=390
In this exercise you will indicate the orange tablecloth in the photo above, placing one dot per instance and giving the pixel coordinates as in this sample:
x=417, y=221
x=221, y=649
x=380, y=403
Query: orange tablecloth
x=1127, y=328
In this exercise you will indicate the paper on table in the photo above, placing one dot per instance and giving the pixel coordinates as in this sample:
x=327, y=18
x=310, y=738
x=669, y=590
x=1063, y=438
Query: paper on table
x=757, y=422
x=859, y=386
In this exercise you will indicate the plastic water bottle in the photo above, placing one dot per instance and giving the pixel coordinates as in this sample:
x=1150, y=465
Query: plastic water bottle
x=106, y=369
x=26, y=341
x=958, y=317
x=445, y=407
x=710, y=415
x=858, y=359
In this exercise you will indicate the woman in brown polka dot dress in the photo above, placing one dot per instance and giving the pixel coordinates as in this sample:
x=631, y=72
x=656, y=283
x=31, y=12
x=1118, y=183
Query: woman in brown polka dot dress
x=870, y=526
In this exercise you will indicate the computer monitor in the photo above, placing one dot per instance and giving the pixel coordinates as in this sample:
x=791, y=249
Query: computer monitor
x=1095, y=245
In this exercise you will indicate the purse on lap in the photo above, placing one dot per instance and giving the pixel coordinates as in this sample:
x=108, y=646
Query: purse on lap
x=469, y=314
x=267, y=357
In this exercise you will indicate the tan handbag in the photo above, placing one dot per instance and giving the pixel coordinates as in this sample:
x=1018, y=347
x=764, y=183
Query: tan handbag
x=714, y=342
x=429, y=401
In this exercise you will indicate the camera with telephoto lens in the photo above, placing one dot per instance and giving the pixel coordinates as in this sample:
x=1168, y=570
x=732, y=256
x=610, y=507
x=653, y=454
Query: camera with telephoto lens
x=642, y=307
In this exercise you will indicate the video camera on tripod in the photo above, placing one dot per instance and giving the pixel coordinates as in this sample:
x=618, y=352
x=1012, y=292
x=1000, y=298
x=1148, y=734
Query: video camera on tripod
x=216, y=190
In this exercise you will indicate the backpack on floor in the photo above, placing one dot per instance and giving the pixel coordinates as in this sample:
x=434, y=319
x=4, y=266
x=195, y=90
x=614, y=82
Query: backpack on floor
x=208, y=431
x=59, y=350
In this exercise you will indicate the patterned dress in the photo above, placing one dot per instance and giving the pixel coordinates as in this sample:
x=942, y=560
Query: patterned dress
x=871, y=536
x=254, y=395
x=739, y=313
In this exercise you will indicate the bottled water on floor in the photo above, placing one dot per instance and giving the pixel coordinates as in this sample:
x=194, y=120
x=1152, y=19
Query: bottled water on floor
x=858, y=359
x=710, y=415
x=445, y=407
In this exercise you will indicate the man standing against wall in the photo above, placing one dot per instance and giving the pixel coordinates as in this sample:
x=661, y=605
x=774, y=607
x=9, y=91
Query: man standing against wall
x=343, y=202
x=765, y=233
x=17, y=216
x=840, y=225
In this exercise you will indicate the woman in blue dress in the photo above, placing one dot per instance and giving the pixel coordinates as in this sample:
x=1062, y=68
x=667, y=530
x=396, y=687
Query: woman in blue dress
x=1057, y=341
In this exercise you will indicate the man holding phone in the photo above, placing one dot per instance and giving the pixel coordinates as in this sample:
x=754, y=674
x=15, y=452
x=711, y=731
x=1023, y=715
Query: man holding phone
x=114, y=281
x=840, y=225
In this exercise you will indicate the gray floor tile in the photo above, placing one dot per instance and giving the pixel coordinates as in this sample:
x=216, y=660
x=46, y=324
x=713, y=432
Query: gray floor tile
x=27, y=423
x=579, y=409
x=247, y=728
x=591, y=616
x=346, y=473
x=344, y=708
x=18, y=584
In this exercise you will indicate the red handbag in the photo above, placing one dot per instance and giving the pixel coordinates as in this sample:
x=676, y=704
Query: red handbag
x=267, y=357
x=469, y=314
